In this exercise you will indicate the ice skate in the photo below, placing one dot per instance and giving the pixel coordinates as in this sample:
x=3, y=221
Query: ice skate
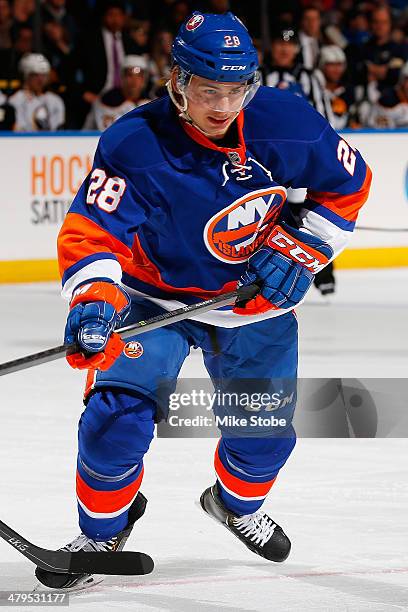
x=75, y=582
x=257, y=531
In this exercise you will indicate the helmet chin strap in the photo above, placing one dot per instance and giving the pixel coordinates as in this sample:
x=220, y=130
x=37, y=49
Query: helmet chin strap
x=183, y=114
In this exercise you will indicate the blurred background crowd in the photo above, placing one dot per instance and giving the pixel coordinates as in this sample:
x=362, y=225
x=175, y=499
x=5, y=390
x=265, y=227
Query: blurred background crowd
x=81, y=64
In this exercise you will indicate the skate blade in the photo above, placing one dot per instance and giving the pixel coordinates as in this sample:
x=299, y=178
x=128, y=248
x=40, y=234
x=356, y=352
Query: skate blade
x=85, y=584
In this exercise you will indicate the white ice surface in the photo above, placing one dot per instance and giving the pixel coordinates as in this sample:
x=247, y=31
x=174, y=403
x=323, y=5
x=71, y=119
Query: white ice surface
x=343, y=502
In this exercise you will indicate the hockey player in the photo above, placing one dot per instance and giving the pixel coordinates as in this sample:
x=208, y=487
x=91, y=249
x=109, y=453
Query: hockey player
x=186, y=197
x=36, y=109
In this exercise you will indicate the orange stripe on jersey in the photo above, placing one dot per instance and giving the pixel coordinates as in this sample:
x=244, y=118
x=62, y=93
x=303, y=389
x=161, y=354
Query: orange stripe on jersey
x=346, y=206
x=238, y=486
x=80, y=237
x=146, y=271
x=106, y=501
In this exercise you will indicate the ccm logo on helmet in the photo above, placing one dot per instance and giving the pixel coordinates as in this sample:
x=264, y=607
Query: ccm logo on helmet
x=194, y=22
x=233, y=68
x=280, y=241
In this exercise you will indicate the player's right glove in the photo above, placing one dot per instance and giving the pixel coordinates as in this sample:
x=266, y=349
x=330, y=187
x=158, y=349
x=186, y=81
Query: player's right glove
x=284, y=268
x=97, y=308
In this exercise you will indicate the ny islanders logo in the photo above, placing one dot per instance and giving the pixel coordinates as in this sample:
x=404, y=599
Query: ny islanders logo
x=133, y=349
x=234, y=233
x=194, y=22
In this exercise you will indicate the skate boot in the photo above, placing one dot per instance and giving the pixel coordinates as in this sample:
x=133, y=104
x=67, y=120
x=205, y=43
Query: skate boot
x=257, y=531
x=324, y=280
x=69, y=582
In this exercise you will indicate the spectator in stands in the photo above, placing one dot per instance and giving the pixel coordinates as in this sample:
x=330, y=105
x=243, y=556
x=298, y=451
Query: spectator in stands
x=309, y=37
x=86, y=40
x=160, y=64
x=7, y=114
x=24, y=41
x=10, y=58
x=382, y=57
x=376, y=64
x=36, y=108
x=57, y=45
x=357, y=29
x=333, y=66
x=102, y=51
x=23, y=11
x=180, y=9
x=391, y=110
x=139, y=32
x=118, y=101
x=6, y=24
x=55, y=11
x=285, y=72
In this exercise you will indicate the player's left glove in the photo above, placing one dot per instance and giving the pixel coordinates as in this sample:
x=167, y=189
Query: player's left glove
x=284, y=268
x=97, y=308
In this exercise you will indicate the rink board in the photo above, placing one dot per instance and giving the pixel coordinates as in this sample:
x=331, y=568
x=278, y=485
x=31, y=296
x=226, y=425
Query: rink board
x=40, y=174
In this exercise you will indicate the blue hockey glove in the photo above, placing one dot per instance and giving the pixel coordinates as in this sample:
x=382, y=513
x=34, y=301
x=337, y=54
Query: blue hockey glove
x=96, y=309
x=284, y=267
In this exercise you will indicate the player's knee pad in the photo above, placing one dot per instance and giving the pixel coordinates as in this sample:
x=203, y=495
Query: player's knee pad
x=115, y=431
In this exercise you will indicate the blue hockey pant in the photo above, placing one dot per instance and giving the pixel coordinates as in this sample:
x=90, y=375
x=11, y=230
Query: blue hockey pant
x=118, y=423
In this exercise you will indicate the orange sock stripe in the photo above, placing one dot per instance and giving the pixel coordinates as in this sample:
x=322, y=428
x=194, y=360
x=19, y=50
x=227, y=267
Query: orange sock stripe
x=106, y=501
x=238, y=486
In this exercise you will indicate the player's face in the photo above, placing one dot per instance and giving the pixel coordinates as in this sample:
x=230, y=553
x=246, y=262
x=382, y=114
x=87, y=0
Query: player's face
x=37, y=83
x=213, y=106
x=133, y=83
x=334, y=71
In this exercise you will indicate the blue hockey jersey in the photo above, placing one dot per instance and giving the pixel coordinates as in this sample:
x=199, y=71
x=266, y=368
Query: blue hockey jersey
x=174, y=217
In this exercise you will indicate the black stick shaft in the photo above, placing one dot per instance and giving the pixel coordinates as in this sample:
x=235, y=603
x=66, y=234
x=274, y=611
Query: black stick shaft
x=167, y=318
x=60, y=561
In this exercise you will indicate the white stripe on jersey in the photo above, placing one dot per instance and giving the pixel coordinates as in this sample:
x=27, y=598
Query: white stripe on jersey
x=101, y=268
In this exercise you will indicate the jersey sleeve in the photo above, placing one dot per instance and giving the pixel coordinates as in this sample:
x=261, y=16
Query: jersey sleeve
x=97, y=235
x=338, y=182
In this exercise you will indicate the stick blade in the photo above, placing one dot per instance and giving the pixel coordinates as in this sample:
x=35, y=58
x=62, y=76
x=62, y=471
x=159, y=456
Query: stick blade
x=111, y=563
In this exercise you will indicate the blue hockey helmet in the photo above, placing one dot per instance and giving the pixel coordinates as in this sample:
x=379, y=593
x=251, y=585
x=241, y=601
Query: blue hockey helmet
x=215, y=47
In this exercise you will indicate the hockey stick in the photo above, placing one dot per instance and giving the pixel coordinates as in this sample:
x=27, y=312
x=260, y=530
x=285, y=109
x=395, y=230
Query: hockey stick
x=167, y=318
x=61, y=561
